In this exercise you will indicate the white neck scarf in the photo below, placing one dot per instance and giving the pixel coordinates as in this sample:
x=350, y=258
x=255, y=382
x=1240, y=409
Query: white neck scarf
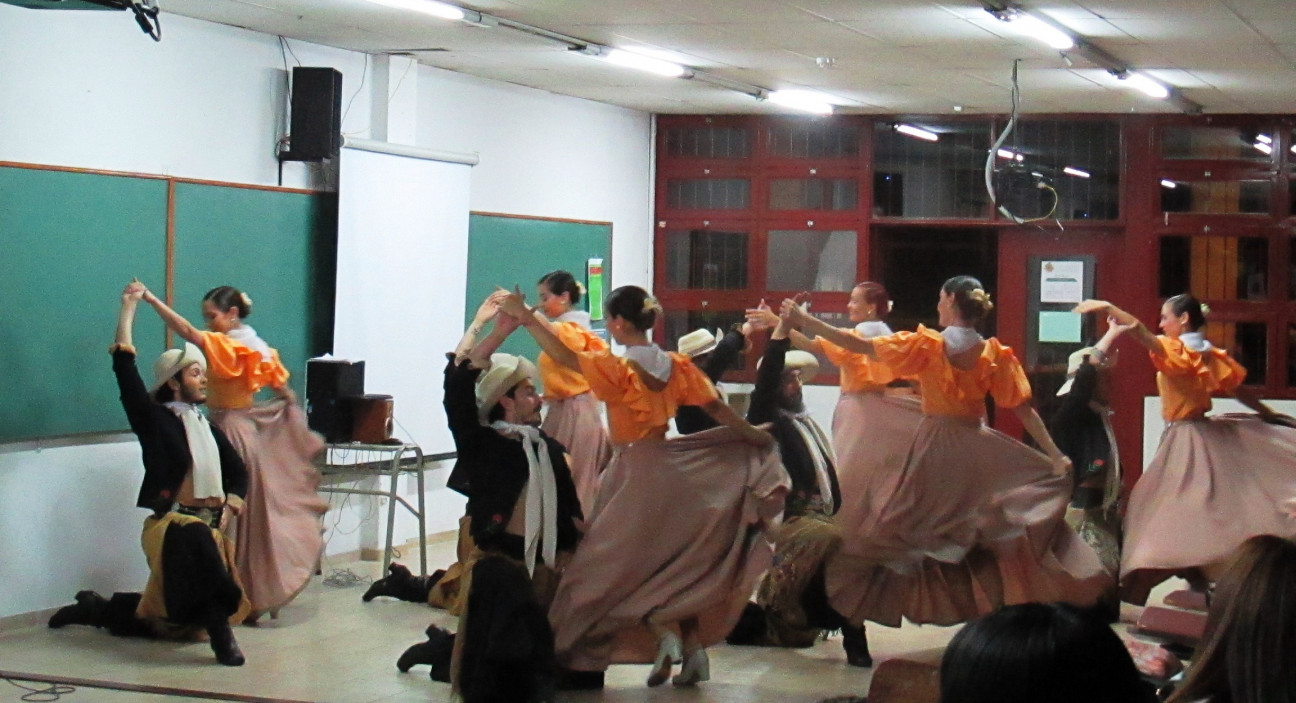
x=652, y=359
x=872, y=328
x=580, y=317
x=959, y=339
x=248, y=337
x=821, y=452
x=541, y=495
x=206, y=466
x=1195, y=341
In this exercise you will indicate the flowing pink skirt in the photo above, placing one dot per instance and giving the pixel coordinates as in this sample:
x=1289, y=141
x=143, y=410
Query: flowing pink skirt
x=1212, y=484
x=678, y=531
x=577, y=424
x=975, y=521
x=279, y=536
x=871, y=438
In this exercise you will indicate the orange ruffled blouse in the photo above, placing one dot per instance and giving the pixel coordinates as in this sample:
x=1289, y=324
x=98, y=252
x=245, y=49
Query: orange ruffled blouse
x=1186, y=378
x=635, y=412
x=235, y=373
x=947, y=390
x=558, y=380
x=859, y=372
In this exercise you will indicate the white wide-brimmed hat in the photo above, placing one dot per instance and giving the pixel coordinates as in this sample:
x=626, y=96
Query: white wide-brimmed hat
x=172, y=361
x=794, y=360
x=699, y=342
x=1074, y=362
x=505, y=372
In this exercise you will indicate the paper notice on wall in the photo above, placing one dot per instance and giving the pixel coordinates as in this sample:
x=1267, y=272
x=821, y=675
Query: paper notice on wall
x=1061, y=282
x=1059, y=327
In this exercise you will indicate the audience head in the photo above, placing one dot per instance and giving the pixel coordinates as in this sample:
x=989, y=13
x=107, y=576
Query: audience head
x=558, y=291
x=868, y=301
x=963, y=300
x=1182, y=313
x=224, y=307
x=631, y=309
x=1247, y=653
x=1040, y=652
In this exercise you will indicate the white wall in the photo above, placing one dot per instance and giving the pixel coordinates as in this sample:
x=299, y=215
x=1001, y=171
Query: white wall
x=87, y=89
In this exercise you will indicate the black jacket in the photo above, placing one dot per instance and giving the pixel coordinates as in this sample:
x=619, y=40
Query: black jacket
x=491, y=469
x=1078, y=430
x=691, y=418
x=796, y=455
x=162, y=438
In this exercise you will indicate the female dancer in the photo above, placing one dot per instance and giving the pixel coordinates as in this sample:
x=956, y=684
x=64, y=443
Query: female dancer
x=671, y=539
x=975, y=520
x=573, y=418
x=279, y=537
x=1214, y=481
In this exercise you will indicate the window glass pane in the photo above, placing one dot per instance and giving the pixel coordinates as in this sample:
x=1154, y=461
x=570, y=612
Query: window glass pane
x=708, y=142
x=1079, y=160
x=814, y=138
x=836, y=319
x=814, y=194
x=1215, y=268
x=706, y=259
x=1247, y=342
x=919, y=178
x=1230, y=143
x=708, y=193
x=1215, y=197
x=806, y=260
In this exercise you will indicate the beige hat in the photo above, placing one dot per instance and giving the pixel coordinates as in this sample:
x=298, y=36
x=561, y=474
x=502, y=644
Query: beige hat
x=699, y=342
x=172, y=361
x=1074, y=362
x=796, y=359
x=505, y=372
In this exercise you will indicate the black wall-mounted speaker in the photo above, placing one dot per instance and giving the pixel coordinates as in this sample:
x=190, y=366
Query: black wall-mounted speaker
x=316, y=125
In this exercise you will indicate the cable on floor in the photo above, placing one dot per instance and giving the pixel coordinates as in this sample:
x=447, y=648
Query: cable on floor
x=50, y=693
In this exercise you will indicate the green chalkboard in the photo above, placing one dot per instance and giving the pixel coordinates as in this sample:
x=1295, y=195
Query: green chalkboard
x=278, y=247
x=70, y=242
x=504, y=251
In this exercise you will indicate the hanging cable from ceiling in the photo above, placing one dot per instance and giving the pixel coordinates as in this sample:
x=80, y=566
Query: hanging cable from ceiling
x=1016, y=172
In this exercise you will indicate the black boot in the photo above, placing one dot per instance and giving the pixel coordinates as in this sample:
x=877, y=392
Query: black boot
x=223, y=643
x=88, y=610
x=400, y=583
x=856, y=645
x=420, y=653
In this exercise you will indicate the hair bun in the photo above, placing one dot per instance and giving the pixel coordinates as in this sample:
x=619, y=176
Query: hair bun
x=982, y=298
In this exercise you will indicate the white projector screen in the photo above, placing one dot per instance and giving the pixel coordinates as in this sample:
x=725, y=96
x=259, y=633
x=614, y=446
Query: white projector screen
x=401, y=280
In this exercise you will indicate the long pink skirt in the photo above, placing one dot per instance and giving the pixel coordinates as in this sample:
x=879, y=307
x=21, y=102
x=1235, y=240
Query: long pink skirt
x=678, y=531
x=577, y=424
x=1212, y=484
x=279, y=536
x=974, y=522
x=871, y=437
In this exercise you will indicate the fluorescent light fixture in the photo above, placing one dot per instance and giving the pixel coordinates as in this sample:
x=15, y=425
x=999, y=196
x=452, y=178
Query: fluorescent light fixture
x=1010, y=155
x=1264, y=139
x=1075, y=172
x=1039, y=30
x=1168, y=184
x=427, y=7
x=1263, y=148
x=918, y=132
x=805, y=100
x=1147, y=85
x=639, y=62
x=1293, y=149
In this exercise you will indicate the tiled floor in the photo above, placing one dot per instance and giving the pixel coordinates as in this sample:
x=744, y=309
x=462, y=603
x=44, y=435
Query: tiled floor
x=330, y=646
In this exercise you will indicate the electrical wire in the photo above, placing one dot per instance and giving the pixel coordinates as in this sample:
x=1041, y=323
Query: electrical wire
x=994, y=152
x=53, y=692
